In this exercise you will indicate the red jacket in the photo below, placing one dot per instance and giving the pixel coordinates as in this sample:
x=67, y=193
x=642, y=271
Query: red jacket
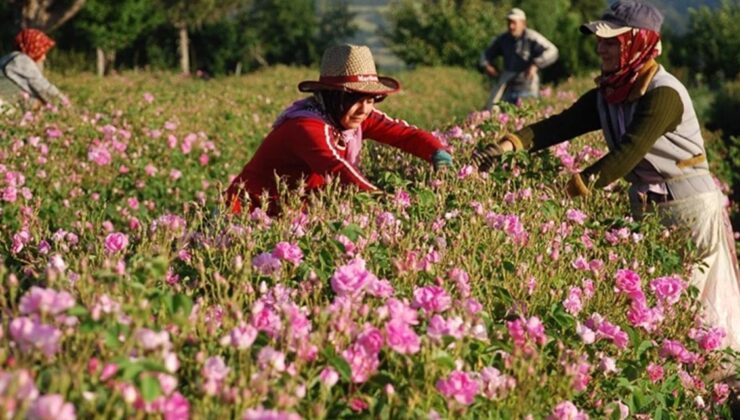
x=310, y=149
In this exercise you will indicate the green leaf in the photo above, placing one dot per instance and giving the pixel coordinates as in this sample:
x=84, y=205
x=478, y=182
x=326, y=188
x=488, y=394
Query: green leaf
x=503, y=295
x=79, y=311
x=182, y=304
x=88, y=326
x=509, y=266
x=110, y=338
x=549, y=209
x=426, y=198
x=153, y=366
x=442, y=358
x=564, y=319
x=352, y=231
x=149, y=388
x=658, y=415
x=382, y=379
x=644, y=346
x=338, y=363
x=131, y=371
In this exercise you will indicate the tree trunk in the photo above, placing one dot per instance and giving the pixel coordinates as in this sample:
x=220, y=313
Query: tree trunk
x=106, y=61
x=110, y=61
x=41, y=14
x=184, y=49
x=101, y=61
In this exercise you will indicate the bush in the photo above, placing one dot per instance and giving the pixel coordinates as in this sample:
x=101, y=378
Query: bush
x=271, y=32
x=267, y=32
x=435, y=32
x=711, y=45
x=726, y=109
x=148, y=304
x=559, y=21
x=442, y=32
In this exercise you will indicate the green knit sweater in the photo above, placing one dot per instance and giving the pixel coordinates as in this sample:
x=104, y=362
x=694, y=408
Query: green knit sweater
x=659, y=111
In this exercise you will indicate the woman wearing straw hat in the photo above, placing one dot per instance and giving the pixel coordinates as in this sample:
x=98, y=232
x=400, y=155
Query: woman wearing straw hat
x=20, y=73
x=655, y=143
x=321, y=137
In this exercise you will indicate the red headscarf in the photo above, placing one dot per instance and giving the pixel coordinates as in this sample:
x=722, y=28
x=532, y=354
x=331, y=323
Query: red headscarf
x=637, y=48
x=33, y=43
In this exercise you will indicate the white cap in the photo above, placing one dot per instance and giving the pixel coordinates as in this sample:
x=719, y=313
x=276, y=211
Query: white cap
x=516, y=14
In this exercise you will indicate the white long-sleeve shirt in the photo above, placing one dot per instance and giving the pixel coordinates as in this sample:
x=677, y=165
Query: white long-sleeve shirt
x=22, y=71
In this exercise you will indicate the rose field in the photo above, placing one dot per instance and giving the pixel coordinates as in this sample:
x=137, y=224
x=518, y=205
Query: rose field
x=129, y=292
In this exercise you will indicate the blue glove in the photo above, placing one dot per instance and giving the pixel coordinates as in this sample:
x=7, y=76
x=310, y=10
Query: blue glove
x=441, y=159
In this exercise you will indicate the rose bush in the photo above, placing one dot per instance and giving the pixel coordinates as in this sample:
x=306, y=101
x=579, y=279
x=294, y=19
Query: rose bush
x=129, y=290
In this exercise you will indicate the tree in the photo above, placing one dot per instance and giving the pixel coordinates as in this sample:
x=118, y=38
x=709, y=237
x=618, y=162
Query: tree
x=711, y=47
x=112, y=25
x=187, y=14
x=450, y=32
x=7, y=31
x=46, y=15
x=559, y=21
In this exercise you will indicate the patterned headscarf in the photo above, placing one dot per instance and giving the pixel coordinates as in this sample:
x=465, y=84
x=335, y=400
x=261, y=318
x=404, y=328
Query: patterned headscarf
x=637, y=48
x=33, y=43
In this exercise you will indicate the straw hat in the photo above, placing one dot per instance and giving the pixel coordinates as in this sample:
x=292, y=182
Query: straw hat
x=351, y=68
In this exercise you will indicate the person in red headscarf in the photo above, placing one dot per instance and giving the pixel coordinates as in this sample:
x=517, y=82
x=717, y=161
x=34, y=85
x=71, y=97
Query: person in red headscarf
x=20, y=71
x=655, y=142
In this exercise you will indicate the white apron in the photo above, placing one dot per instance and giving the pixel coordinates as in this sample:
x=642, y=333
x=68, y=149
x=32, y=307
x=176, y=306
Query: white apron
x=717, y=276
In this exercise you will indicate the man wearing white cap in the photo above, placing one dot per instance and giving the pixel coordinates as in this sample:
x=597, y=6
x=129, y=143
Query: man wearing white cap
x=525, y=52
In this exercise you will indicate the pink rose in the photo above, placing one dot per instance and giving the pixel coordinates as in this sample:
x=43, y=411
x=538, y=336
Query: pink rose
x=32, y=334
x=176, y=407
x=674, y=349
x=668, y=289
x=329, y=377
x=263, y=414
x=573, y=303
x=351, y=279
x=566, y=410
x=240, y=337
x=99, y=154
x=655, y=372
x=720, y=393
x=711, y=339
x=401, y=337
x=288, y=252
x=266, y=263
x=214, y=373
x=495, y=384
x=115, y=242
x=51, y=407
x=431, y=299
x=628, y=282
x=459, y=386
x=45, y=301
x=371, y=340
x=362, y=364
x=576, y=216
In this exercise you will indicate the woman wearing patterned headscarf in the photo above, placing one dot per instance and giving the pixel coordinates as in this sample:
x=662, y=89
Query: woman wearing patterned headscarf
x=655, y=143
x=20, y=74
x=321, y=137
